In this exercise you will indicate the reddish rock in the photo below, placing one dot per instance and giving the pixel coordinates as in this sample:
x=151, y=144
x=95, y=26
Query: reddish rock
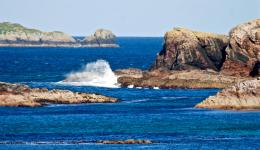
x=243, y=52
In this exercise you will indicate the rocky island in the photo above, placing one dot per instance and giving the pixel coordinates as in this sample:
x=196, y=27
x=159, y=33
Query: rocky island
x=21, y=95
x=191, y=59
x=101, y=38
x=16, y=35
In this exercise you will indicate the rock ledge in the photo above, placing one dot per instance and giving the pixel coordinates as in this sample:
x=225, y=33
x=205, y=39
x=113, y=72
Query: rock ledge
x=21, y=95
x=243, y=95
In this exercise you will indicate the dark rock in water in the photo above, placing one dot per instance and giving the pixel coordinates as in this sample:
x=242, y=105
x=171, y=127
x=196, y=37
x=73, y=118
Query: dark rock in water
x=243, y=52
x=22, y=95
x=101, y=38
x=243, y=95
x=185, y=49
x=130, y=141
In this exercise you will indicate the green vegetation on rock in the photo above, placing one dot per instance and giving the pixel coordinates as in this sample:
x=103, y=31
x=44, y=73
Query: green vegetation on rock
x=7, y=27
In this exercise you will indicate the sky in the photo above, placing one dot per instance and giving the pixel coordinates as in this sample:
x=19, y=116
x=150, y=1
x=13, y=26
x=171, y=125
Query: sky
x=129, y=17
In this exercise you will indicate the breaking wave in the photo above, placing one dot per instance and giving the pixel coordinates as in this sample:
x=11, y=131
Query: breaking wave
x=96, y=73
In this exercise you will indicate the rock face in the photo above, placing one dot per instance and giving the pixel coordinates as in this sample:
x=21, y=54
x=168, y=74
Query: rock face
x=101, y=38
x=22, y=95
x=174, y=79
x=243, y=52
x=16, y=35
x=185, y=49
x=243, y=95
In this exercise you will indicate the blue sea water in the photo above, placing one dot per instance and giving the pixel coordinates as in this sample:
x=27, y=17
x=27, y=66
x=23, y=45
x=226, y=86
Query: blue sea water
x=166, y=117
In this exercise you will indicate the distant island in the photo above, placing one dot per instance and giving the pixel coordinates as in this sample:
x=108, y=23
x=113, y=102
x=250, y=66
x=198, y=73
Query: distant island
x=16, y=35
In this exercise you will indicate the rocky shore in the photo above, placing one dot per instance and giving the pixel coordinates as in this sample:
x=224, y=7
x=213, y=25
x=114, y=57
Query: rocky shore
x=175, y=79
x=243, y=95
x=16, y=35
x=21, y=95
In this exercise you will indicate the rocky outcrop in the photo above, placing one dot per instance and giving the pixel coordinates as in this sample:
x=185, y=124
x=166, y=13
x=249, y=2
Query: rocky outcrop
x=243, y=95
x=16, y=35
x=243, y=52
x=185, y=49
x=22, y=95
x=101, y=38
x=174, y=79
x=191, y=59
x=130, y=141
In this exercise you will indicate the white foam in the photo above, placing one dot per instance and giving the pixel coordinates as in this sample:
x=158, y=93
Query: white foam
x=156, y=88
x=96, y=73
x=130, y=86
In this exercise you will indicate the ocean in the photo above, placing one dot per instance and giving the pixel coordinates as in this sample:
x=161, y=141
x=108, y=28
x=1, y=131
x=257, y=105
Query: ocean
x=164, y=116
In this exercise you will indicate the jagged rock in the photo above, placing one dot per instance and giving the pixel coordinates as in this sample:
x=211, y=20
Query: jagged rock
x=18, y=35
x=101, y=38
x=22, y=95
x=243, y=95
x=243, y=52
x=186, y=49
x=130, y=141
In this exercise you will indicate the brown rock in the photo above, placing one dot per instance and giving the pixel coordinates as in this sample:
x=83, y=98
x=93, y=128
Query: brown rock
x=22, y=95
x=243, y=95
x=178, y=79
x=186, y=49
x=243, y=52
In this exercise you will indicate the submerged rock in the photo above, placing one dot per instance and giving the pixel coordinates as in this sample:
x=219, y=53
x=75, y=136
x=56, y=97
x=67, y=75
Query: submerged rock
x=185, y=49
x=243, y=52
x=22, y=95
x=243, y=95
x=130, y=141
x=101, y=38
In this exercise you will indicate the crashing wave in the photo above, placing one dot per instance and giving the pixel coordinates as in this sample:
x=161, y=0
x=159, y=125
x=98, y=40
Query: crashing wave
x=97, y=73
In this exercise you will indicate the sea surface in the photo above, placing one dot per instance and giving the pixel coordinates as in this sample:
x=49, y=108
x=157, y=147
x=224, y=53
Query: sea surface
x=166, y=117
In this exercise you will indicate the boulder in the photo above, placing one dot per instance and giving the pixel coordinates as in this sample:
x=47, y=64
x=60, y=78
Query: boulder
x=243, y=95
x=185, y=49
x=243, y=52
